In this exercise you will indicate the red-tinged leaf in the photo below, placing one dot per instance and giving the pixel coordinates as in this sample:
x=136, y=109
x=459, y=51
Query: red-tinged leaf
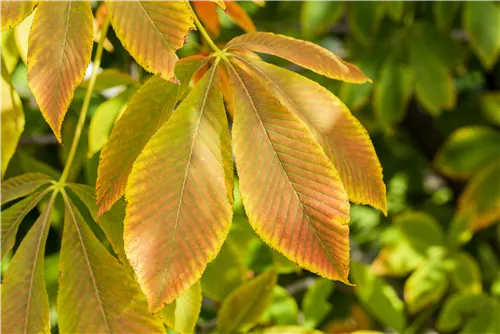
x=14, y=12
x=292, y=193
x=343, y=138
x=149, y=108
x=14, y=215
x=152, y=31
x=303, y=53
x=239, y=16
x=22, y=185
x=207, y=13
x=25, y=304
x=179, y=196
x=109, y=299
x=60, y=46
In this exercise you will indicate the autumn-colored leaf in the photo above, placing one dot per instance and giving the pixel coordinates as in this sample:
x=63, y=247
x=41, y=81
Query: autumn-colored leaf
x=292, y=193
x=152, y=31
x=179, y=196
x=303, y=53
x=23, y=185
x=14, y=12
x=105, y=290
x=25, y=304
x=220, y=3
x=207, y=13
x=182, y=314
x=60, y=46
x=343, y=138
x=149, y=108
x=110, y=78
x=239, y=16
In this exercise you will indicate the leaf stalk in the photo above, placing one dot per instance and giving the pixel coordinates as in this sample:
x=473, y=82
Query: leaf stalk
x=202, y=30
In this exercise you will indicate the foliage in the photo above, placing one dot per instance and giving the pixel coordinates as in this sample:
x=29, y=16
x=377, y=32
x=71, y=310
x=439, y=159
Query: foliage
x=204, y=179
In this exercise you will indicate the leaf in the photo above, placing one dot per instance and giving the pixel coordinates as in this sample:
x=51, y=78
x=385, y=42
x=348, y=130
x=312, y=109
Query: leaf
x=21, y=33
x=104, y=118
x=421, y=231
x=152, y=31
x=242, y=309
x=317, y=16
x=22, y=185
x=343, y=139
x=110, y=78
x=467, y=150
x=207, y=13
x=60, y=46
x=10, y=55
x=445, y=13
x=225, y=273
x=14, y=215
x=179, y=196
x=220, y=3
x=364, y=19
x=103, y=288
x=459, y=308
x=25, y=304
x=239, y=16
x=12, y=122
x=397, y=260
x=311, y=56
x=182, y=314
x=308, y=221
x=490, y=104
x=315, y=305
x=283, y=309
x=482, y=198
x=465, y=273
x=481, y=21
x=378, y=297
x=149, y=108
x=426, y=286
x=14, y=12
x=288, y=329
x=395, y=10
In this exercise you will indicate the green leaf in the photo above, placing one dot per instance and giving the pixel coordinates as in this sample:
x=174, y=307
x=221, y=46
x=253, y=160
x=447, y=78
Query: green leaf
x=315, y=304
x=426, y=286
x=14, y=12
x=421, y=231
x=465, y=273
x=490, y=104
x=242, y=309
x=357, y=96
x=485, y=321
x=481, y=21
x=283, y=309
x=398, y=259
x=25, y=304
x=110, y=78
x=468, y=150
x=225, y=273
x=10, y=55
x=182, y=314
x=22, y=185
x=445, y=13
x=287, y=329
x=107, y=291
x=364, y=19
x=317, y=16
x=378, y=297
x=461, y=308
x=395, y=9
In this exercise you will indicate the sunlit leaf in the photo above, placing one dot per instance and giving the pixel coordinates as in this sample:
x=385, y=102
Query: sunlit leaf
x=311, y=56
x=315, y=305
x=21, y=33
x=207, y=13
x=241, y=310
x=490, y=104
x=110, y=78
x=421, y=231
x=25, y=304
x=60, y=45
x=220, y=3
x=460, y=308
x=342, y=137
x=283, y=309
x=465, y=273
x=179, y=196
x=109, y=299
x=317, y=16
x=152, y=31
x=22, y=185
x=287, y=168
x=467, y=151
x=481, y=21
x=182, y=314
x=239, y=16
x=10, y=54
x=149, y=108
x=288, y=329
x=14, y=12
x=364, y=19
x=397, y=260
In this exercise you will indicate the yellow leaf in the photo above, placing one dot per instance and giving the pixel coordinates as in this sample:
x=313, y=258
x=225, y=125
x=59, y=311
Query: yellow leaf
x=179, y=196
x=303, y=53
x=21, y=33
x=219, y=3
x=60, y=45
x=291, y=192
x=152, y=31
x=239, y=16
x=14, y=12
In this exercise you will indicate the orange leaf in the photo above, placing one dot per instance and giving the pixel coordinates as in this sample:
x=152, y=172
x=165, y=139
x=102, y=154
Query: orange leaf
x=343, y=138
x=180, y=196
x=207, y=13
x=60, y=45
x=303, y=53
x=239, y=16
x=14, y=12
x=152, y=31
x=149, y=108
x=291, y=192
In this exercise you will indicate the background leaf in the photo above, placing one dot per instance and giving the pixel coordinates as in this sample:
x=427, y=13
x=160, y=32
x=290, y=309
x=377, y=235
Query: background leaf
x=315, y=305
x=182, y=314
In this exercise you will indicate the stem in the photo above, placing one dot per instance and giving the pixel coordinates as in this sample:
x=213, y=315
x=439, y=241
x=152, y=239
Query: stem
x=86, y=102
x=202, y=30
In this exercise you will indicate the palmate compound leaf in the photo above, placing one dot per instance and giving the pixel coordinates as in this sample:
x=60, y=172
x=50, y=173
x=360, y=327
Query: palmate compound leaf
x=14, y=12
x=60, y=46
x=152, y=31
x=179, y=196
x=291, y=192
x=108, y=298
x=22, y=185
x=25, y=304
x=149, y=108
x=342, y=137
x=303, y=53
